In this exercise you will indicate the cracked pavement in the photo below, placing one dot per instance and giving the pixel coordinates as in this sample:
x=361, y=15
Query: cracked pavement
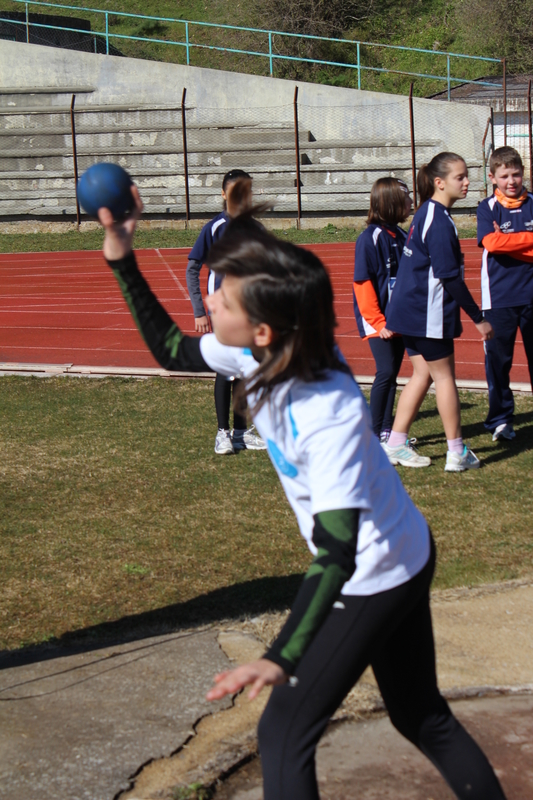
x=131, y=721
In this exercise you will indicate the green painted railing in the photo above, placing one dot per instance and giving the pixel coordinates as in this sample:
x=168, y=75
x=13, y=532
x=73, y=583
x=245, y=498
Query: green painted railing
x=268, y=53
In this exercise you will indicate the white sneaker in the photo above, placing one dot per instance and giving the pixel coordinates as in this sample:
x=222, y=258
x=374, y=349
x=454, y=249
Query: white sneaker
x=504, y=431
x=223, y=443
x=405, y=454
x=248, y=440
x=459, y=463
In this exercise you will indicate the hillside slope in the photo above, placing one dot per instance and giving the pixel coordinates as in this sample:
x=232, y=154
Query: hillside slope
x=428, y=24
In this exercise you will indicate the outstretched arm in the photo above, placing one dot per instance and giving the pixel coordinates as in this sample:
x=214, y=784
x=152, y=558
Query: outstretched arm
x=170, y=347
x=335, y=536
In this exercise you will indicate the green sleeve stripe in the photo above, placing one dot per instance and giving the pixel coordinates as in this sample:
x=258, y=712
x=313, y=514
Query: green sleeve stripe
x=173, y=336
x=331, y=582
x=127, y=297
x=339, y=524
x=173, y=339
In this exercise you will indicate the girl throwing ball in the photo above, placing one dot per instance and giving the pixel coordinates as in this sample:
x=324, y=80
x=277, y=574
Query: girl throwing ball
x=424, y=308
x=365, y=598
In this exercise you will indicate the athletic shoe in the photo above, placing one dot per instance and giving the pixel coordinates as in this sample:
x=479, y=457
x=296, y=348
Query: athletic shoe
x=504, y=431
x=384, y=436
x=459, y=463
x=405, y=454
x=223, y=443
x=248, y=440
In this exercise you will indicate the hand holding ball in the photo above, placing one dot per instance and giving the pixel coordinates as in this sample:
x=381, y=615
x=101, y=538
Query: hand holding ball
x=106, y=186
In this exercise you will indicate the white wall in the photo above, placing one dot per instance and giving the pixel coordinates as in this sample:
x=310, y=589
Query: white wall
x=328, y=110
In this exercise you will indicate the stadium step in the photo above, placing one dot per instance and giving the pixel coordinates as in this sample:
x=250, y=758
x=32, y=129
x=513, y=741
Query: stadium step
x=336, y=173
x=43, y=97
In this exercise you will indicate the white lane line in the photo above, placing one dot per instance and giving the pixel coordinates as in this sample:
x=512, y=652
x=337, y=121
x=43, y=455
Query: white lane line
x=178, y=282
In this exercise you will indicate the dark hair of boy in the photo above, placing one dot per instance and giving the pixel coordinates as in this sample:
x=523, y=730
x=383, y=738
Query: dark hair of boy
x=387, y=202
x=233, y=175
x=439, y=167
x=505, y=157
x=287, y=288
x=238, y=195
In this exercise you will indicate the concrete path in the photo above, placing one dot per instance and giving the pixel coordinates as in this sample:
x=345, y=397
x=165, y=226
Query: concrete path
x=79, y=727
x=112, y=722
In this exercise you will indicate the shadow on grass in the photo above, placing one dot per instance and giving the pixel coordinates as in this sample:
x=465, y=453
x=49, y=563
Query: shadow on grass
x=241, y=600
x=498, y=450
x=493, y=452
x=438, y=434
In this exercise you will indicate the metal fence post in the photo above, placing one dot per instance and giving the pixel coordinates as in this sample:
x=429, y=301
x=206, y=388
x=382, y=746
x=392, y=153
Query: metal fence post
x=297, y=149
x=448, y=77
x=493, y=141
x=358, y=65
x=27, y=25
x=185, y=159
x=107, y=33
x=530, y=134
x=484, y=154
x=413, y=146
x=271, y=60
x=187, y=42
x=504, y=102
x=75, y=158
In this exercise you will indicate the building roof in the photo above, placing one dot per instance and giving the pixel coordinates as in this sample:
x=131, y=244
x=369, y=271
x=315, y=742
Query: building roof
x=517, y=86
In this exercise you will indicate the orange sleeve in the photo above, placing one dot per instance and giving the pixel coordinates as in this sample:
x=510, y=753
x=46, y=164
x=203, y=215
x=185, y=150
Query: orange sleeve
x=368, y=304
x=516, y=245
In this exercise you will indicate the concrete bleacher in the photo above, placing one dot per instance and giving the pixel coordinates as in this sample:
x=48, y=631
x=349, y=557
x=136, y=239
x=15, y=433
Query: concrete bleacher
x=343, y=150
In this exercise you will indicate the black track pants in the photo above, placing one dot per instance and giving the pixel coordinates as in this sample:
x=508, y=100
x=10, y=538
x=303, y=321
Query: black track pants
x=388, y=355
x=499, y=359
x=223, y=390
x=392, y=631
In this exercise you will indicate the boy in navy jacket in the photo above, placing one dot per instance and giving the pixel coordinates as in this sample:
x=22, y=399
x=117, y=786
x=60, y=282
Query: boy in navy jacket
x=505, y=231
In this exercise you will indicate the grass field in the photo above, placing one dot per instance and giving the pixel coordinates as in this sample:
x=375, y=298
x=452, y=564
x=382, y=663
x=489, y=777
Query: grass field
x=118, y=518
x=92, y=240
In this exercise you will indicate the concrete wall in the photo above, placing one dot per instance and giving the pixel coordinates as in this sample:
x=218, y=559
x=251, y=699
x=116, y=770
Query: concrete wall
x=328, y=110
x=128, y=111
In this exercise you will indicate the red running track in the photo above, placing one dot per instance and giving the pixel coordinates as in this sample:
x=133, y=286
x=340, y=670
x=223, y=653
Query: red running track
x=66, y=308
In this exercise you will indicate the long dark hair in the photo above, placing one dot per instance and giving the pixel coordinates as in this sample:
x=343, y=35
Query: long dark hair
x=287, y=288
x=439, y=167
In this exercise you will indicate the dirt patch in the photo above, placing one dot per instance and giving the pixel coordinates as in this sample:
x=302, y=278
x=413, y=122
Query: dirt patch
x=370, y=760
x=484, y=648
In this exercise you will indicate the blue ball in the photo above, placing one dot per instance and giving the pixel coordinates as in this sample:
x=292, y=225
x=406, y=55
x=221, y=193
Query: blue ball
x=108, y=186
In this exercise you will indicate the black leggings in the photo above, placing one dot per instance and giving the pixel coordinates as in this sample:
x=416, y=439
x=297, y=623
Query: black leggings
x=388, y=355
x=223, y=389
x=392, y=631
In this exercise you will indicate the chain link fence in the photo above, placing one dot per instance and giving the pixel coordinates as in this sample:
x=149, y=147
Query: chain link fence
x=314, y=161
x=513, y=128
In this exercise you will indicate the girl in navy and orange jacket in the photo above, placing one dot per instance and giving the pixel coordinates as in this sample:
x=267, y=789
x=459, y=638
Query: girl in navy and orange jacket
x=377, y=257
